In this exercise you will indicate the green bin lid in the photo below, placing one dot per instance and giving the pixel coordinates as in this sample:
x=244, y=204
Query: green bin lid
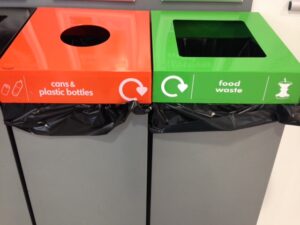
x=221, y=57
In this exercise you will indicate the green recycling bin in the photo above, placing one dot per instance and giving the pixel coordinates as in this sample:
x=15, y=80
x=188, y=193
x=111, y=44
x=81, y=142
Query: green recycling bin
x=217, y=72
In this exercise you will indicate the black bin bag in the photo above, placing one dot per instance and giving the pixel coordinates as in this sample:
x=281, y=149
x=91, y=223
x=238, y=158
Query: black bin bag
x=69, y=119
x=289, y=114
x=171, y=118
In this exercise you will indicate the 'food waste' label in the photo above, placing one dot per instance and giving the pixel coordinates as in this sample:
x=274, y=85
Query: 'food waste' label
x=229, y=87
x=244, y=88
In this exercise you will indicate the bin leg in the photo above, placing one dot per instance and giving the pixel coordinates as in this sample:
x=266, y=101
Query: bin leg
x=21, y=173
x=13, y=199
x=149, y=177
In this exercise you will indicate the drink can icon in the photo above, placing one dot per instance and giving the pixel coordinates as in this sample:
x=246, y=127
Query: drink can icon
x=5, y=89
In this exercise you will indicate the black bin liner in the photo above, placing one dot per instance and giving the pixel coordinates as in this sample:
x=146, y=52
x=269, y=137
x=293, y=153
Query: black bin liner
x=171, y=118
x=69, y=119
x=100, y=119
x=288, y=114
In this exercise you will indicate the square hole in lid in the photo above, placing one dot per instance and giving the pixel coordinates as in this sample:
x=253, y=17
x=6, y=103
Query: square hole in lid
x=215, y=39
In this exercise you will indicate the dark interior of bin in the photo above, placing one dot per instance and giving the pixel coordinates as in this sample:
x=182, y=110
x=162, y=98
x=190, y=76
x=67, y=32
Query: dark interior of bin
x=85, y=35
x=203, y=38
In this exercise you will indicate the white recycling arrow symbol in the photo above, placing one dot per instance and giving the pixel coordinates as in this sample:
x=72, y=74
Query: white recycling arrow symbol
x=141, y=89
x=182, y=87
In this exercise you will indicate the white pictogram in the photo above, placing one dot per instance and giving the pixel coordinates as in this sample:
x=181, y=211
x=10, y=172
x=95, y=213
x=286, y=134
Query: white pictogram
x=17, y=88
x=284, y=88
x=141, y=89
x=5, y=89
x=181, y=86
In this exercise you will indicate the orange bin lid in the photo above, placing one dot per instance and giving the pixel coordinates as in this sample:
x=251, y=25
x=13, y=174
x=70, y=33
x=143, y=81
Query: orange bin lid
x=65, y=55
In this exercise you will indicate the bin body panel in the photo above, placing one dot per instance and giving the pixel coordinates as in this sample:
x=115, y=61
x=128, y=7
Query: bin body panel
x=87, y=180
x=212, y=178
x=13, y=210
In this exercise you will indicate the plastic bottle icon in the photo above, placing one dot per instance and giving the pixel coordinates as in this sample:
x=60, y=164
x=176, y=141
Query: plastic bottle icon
x=17, y=88
x=5, y=89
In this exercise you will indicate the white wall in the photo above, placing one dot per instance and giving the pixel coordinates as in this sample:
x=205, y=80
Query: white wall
x=282, y=201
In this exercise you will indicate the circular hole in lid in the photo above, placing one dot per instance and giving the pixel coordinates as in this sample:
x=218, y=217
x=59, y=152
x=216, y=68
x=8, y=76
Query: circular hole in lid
x=85, y=35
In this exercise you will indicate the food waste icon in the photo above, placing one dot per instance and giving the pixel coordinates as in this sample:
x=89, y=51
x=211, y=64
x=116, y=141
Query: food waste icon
x=284, y=88
x=14, y=89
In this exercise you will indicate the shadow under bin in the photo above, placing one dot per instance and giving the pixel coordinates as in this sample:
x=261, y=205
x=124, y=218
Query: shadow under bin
x=216, y=72
x=76, y=74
